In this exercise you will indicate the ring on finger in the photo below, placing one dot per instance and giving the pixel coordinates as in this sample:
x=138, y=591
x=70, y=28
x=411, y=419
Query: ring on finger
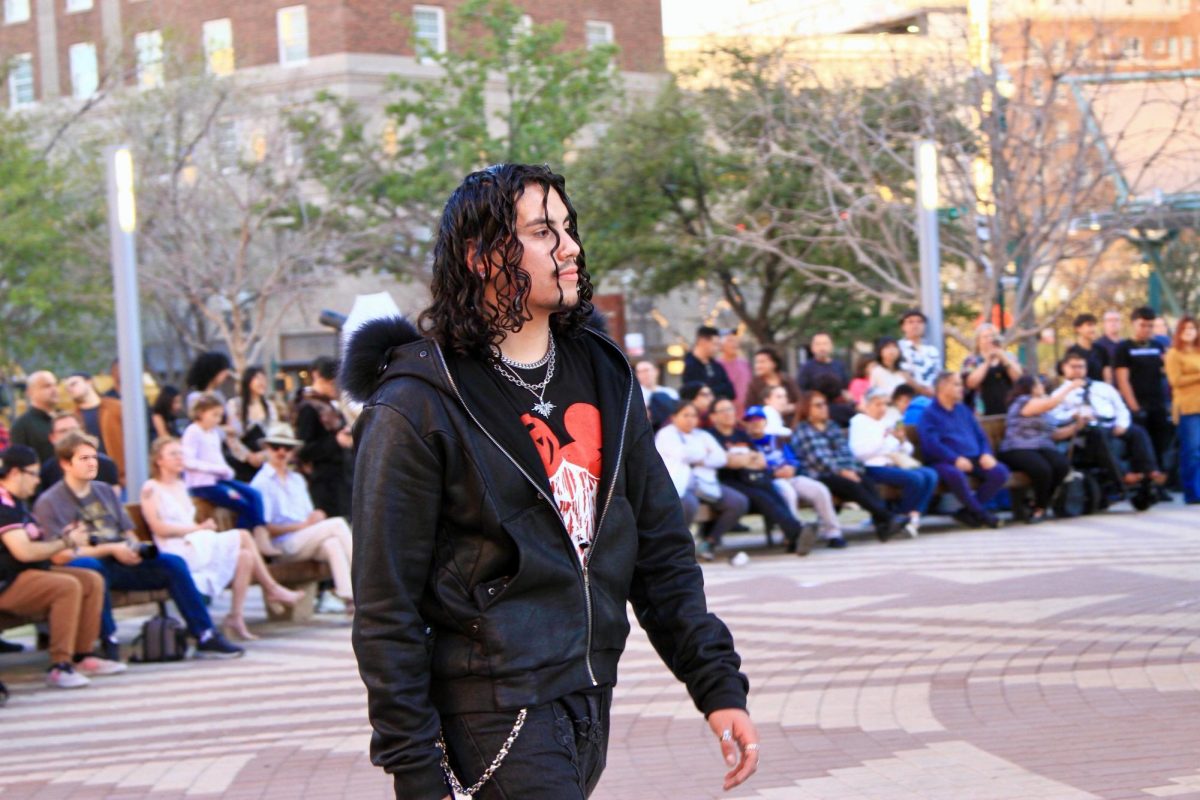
x=726, y=735
x=751, y=748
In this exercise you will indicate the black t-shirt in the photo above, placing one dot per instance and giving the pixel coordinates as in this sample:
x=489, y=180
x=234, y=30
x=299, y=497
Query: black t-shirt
x=16, y=516
x=564, y=426
x=1096, y=357
x=712, y=374
x=1144, y=360
x=91, y=423
x=754, y=477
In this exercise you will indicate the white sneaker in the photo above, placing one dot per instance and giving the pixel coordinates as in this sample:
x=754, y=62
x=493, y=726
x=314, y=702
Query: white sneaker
x=93, y=666
x=740, y=559
x=62, y=676
x=913, y=528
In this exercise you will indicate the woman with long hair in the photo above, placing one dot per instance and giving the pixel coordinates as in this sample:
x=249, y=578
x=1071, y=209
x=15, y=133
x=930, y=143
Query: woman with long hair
x=822, y=448
x=164, y=414
x=215, y=558
x=888, y=371
x=1182, y=364
x=1030, y=434
x=248, y=417
x=768, y=373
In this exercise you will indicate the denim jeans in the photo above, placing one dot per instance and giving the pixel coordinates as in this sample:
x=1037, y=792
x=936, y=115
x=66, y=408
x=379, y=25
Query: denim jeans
x=558, y=755
x=165, y=572
x=241, y=498
x=1189, y=456
x=957, y=482
x=916, y=485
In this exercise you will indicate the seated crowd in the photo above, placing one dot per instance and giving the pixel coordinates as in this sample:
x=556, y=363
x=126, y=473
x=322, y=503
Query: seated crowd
x=68, y=541
x=741, y=436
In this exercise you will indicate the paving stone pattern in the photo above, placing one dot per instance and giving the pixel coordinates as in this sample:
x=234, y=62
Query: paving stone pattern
x=1057, y=662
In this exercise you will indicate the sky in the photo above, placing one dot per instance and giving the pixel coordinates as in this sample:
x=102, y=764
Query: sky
x=702, y=17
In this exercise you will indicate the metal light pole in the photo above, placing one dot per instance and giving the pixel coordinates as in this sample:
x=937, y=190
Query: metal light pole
x=122, y=224
x=927, y=236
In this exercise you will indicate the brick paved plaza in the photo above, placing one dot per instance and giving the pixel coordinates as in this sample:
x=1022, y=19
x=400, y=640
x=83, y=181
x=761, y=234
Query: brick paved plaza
x=1048, y=663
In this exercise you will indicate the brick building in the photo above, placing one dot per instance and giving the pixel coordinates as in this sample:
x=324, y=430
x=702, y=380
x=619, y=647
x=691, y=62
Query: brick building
x=62, y=48
x=283, y=51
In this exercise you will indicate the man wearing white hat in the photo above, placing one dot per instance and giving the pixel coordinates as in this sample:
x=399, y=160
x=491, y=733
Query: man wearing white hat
x=299, y=531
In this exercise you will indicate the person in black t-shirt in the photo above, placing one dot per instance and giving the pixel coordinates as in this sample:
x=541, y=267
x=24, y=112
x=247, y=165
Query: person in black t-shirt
x=749, y=475
x=1140, y=379
x=701, y=365
x=29, y=586
x=1099, y=366
x=989, y=373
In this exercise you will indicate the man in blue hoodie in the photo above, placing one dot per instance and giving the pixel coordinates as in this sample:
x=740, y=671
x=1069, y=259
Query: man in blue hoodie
x=955, y=445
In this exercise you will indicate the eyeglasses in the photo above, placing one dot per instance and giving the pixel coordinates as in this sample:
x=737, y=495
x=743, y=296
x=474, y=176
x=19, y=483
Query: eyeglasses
x=32, y=472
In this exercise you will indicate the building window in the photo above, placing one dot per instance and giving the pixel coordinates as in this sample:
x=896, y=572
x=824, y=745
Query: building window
x=1186, y=51
x=429, y=29
x=227, y=145
x=20, y=82
x=1160, y=47
x=218, y=46
x=1173, y=48
x=148, y=46
x=292, y=27
x=16, y=11
x=597, y=34
x=1131, y=47
x=85, y=76
x=79, y=5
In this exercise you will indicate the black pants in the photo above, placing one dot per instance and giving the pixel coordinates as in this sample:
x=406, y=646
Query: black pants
x=1139, y=450
x=768, y=502
x=1046, y=467
x=864, y=492
x=1157, y=422
x=559, y=754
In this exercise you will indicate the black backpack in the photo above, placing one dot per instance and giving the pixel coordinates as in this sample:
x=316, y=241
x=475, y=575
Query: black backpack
x=162, y=638
x=1078, y=495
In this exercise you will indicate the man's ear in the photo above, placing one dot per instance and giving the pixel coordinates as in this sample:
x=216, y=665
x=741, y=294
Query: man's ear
x=474, y=262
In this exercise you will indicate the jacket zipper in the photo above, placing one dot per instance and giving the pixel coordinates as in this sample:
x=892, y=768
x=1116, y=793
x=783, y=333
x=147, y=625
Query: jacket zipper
x=587, y=591
x=587, y=559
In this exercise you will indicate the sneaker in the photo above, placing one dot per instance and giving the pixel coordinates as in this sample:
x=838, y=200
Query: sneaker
x=217, y=646
x=912, y=528
x=62, y=676
x=836, y=542
x=93, y=666
x=808, y=540
x=739, y=559
x=990, y=520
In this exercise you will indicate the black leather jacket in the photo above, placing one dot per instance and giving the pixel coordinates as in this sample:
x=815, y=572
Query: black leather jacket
x=468, y=592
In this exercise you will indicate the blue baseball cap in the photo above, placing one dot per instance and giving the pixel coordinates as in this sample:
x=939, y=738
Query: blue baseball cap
x=754, y=412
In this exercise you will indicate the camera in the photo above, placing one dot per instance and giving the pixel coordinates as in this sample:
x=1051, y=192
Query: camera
x=146, y=550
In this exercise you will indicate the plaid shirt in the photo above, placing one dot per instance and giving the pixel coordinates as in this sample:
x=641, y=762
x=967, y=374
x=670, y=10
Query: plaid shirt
x=824, y=452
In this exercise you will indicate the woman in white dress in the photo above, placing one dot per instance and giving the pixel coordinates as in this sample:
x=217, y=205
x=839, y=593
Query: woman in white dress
x=215, y=558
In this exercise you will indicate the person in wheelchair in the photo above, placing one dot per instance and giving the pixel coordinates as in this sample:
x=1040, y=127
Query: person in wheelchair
x=1113, y=444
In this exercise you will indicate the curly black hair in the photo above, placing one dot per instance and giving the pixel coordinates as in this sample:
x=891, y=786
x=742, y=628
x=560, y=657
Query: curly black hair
x=482, y=213
x=205, y=369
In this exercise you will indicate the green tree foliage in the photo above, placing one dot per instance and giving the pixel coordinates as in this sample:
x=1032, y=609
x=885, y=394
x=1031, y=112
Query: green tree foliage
x=56, y=304
x=393, y=176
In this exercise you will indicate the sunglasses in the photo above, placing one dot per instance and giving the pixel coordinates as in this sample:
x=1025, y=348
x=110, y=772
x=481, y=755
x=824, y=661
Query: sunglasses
x=273, y=446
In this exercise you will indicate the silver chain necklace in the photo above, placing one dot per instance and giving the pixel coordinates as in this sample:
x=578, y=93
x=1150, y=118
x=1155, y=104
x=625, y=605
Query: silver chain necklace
x=505, y=367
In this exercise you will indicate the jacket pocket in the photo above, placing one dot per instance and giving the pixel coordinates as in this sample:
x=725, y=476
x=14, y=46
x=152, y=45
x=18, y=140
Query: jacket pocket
x=489, y=592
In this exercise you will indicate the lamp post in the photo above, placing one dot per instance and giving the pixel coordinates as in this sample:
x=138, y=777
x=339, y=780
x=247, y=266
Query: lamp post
x=122, y=226
x=928, y=246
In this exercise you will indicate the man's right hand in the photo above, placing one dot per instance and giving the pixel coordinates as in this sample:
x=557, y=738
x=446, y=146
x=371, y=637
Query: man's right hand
x=964, y=464
x=76, y=535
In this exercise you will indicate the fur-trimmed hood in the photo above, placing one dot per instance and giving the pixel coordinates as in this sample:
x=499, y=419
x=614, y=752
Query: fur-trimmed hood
x=373, y=347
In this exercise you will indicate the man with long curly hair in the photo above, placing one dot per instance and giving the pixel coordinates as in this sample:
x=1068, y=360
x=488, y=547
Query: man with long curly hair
x=508, y=502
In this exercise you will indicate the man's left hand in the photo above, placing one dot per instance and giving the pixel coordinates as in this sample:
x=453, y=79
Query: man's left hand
x=987, y=461
x=739, y=743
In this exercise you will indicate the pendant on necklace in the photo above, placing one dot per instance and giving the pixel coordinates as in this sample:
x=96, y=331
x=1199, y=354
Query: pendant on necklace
x=544, y=408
